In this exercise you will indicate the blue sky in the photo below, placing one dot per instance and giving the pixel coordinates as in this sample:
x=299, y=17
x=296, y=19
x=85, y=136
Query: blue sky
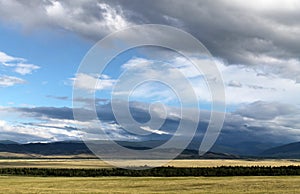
x=49, y=50
x=255, y=47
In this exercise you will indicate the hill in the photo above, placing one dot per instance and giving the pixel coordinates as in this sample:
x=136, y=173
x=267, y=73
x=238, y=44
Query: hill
x=291, y=150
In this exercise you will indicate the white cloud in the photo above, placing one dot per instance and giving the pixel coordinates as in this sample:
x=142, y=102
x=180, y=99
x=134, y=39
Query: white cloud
x=160, y=132
x=4, y=58
x=175, y=75
x=92, y=82
x=267, y=5
x=21, y=127
x=55, y=9
x=24, y=69
x=6, y=81
x=234, y=83
x=136, y=64
x=285, y=68
x=114, y=20
x=31, y=133
x=251, y=85
x=267, y=110
x=243, y=84
x=18, y=64
x=75, y=17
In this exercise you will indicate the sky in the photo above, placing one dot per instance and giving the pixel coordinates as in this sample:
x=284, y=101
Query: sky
x=255, y=45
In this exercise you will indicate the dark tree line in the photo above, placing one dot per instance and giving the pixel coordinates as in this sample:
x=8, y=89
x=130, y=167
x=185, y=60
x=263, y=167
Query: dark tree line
x=158, y=172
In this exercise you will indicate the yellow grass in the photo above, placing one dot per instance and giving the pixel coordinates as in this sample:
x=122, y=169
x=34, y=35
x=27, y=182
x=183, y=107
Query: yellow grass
x=19, y=184
x=11, y=184
x=213, y=163
x=96, y=163
x=53, y=163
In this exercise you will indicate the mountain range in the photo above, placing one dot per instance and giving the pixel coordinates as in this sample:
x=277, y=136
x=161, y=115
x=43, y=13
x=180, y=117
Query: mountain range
x=77, y=148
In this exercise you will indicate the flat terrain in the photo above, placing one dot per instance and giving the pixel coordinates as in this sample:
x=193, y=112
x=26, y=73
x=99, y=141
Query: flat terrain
x=239, y=184
x=96, y=163
x=12, y=184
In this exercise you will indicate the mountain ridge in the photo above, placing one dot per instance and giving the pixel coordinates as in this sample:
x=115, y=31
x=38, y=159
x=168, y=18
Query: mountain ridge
x=241, y=150
x=79, y=148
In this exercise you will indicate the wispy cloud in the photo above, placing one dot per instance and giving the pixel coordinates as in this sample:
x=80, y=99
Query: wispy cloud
x=25, y=69
x=4, y=58
x=6, y=81
x=92, y=82
x=58, y=97
x=19, y=65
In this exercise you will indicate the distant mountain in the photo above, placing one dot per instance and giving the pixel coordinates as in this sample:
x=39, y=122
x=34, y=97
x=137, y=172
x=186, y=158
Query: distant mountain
x=225, y=151
x=246, y=148
x=56, y=148
x=79, y=148
x=7, y=142
x=291, y=150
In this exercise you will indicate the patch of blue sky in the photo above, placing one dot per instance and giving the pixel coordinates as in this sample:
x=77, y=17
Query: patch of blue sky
x=58, y=56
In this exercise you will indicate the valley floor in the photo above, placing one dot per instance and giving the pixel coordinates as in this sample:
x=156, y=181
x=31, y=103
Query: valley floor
x=17, y=184
x=96, y=163
x=239, y=184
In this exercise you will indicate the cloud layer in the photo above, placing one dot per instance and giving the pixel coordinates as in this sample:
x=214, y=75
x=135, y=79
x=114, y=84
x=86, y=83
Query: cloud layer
x=262, y=35
x=257, y=122
x=256, y=46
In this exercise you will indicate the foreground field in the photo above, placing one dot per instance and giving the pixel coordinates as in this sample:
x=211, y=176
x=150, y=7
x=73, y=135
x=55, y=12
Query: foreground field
x=96, y=163
x=12, y=184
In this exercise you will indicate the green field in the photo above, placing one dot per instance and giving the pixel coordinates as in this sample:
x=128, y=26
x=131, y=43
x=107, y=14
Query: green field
x=12, y=184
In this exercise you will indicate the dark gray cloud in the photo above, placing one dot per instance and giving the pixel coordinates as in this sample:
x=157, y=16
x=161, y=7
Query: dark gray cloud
x=49, y=126
x=49, y=112
x=253, y=33
x=259, y=121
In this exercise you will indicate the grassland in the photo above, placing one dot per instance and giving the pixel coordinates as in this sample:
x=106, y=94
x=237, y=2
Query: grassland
x=11, y=184
x=249, y=184
x=96, y=163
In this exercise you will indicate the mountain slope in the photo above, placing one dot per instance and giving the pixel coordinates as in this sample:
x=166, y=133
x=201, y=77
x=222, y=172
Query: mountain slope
x=249, y=148
x=56, y=148
x=77, y=148
x=291, y=150
x=7, y=142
